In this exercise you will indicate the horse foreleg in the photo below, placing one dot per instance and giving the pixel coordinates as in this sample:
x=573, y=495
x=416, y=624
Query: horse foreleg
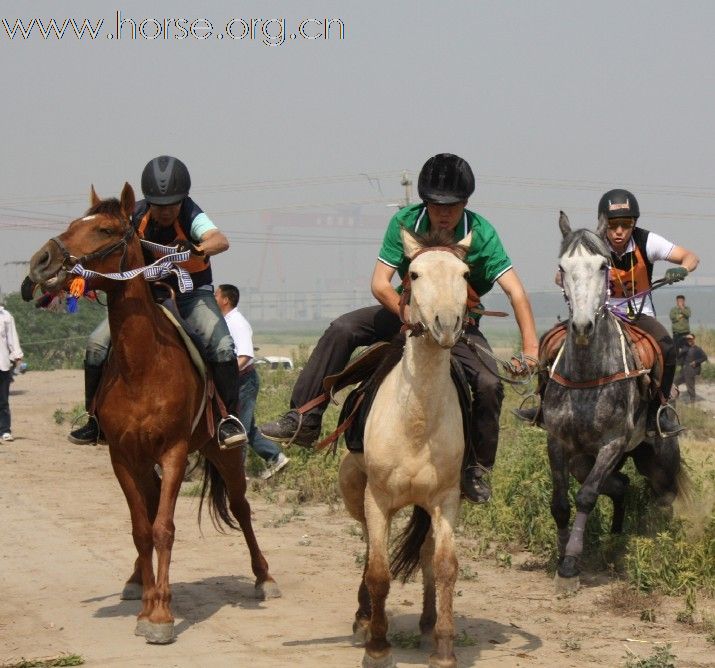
x=160, y=623
x=378, y=651
x=606, y=461
x=445, y=575
x=151, y=487
x=429, y=596
x=143, y=539
x=560, y=507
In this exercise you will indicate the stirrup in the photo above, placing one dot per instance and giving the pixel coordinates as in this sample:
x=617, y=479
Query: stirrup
x=237, y=444
x=661, y=408
x=90, y=418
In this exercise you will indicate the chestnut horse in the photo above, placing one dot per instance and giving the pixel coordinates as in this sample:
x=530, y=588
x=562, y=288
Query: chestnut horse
x=150, y=396
x=414, y=444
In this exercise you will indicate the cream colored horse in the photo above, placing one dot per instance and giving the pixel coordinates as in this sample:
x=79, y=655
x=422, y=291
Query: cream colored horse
x=414, y=444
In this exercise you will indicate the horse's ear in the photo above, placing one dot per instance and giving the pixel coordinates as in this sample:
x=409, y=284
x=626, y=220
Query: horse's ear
x=93, y=197
x=127, y=200
x=409, y=243
x=466, y=242
x=564, y=224
x=602, y=225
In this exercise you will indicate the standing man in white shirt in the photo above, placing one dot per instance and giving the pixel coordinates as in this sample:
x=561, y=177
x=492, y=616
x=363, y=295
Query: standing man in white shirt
x=10, y=355
x=227, y=297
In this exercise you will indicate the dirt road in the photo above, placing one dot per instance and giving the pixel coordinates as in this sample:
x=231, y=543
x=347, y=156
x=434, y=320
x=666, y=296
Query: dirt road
x=66, y=550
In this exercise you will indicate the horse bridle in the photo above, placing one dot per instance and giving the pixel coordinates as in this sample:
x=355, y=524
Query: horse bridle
x=418, y=328
x=603, y=308
x=69, y=260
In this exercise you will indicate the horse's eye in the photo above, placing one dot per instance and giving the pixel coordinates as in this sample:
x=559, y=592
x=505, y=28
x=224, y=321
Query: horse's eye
x=107, y=232
x=605, y=266
x=413, y=275
x=561, y=269
x=466, y=275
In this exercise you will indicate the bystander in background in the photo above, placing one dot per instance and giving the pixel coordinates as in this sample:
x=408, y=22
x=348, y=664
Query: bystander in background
x=227, y=297
x=680, y=321
x=693, y=358
x=10, y=356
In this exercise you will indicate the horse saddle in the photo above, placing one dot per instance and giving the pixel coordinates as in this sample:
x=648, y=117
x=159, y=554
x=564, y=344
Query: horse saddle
x=369, y=369
x=646, y=352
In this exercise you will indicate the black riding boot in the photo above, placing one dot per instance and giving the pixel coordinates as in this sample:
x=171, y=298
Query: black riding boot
x=230, y=431
x=89, y=433
x=475, y=478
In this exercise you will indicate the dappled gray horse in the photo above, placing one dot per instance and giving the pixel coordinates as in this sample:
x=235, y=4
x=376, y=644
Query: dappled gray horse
x=594, y=406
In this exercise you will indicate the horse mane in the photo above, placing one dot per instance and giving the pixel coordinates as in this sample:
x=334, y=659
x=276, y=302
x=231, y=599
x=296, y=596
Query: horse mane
x=110, y=207
x=587, y=239
x=439, y=238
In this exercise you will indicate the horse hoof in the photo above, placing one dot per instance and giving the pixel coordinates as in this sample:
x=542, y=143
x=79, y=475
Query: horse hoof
x=384, y=661
x=132, y=592
x=159, y=634
x=361, y=631
x=142, y=627
x=436, y=662
x=266, y=590
x=566, y=585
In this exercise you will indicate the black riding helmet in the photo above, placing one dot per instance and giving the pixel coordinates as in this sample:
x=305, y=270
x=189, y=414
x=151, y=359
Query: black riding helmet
x=619, y=203
x=165, y=180
x=445, y=179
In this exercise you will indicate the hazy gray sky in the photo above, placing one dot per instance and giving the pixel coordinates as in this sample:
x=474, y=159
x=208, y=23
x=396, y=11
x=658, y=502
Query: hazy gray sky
x=552, y=102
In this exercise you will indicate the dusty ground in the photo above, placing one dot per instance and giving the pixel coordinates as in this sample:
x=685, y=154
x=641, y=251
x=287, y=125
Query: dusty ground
x=66, y=550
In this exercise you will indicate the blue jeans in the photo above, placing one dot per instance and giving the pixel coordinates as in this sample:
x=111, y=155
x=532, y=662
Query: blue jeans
x=267, y=450
x=201, y=312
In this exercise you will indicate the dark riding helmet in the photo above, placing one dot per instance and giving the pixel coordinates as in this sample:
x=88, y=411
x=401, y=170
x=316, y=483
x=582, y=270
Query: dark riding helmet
x=165, y=180
x=445, y=179
x=619, y=203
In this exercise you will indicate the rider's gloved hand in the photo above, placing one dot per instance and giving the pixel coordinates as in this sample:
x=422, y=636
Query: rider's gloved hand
x=186, y=245
x=676, y=274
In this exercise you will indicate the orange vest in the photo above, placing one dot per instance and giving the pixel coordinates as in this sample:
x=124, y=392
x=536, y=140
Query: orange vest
x=194, y=264
x=628, y=281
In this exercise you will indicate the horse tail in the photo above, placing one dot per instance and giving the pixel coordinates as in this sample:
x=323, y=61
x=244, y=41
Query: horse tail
x=219, y=512
x=405, y=556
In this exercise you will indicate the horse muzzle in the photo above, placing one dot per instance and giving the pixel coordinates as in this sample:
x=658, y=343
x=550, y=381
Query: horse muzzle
x=47, y=270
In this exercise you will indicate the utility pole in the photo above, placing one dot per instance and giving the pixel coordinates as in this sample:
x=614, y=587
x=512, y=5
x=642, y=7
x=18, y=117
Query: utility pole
x=406, y=183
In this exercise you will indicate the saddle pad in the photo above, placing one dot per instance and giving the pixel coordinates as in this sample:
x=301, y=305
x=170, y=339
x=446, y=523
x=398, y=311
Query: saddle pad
x=358, y=369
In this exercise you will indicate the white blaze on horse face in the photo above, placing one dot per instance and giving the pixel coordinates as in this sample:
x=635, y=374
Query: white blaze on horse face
x=439, y=295
x=583, y=283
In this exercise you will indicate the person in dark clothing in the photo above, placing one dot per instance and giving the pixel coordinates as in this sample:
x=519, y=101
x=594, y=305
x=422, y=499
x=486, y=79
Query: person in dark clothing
x=693, y=359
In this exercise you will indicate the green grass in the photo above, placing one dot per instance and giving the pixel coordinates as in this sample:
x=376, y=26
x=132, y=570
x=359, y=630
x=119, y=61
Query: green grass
x=62, y=660
x=662, y=657
x=655, y=553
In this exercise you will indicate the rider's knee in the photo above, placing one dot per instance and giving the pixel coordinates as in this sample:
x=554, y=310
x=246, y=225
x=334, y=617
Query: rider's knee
x=95, y=354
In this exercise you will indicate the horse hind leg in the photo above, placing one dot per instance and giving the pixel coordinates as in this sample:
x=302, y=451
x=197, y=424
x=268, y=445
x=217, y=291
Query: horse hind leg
x=352, y=481
x=661, y=465
x=228, y=481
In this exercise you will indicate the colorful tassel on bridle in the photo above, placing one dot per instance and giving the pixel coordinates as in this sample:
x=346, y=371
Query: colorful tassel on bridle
x=76, y=290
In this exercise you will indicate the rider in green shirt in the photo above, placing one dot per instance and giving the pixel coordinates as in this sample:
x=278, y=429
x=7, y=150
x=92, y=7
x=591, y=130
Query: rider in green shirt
x=445, y=184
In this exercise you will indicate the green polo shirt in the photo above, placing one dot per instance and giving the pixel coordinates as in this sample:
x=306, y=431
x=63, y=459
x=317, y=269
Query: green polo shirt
x=487, y=260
